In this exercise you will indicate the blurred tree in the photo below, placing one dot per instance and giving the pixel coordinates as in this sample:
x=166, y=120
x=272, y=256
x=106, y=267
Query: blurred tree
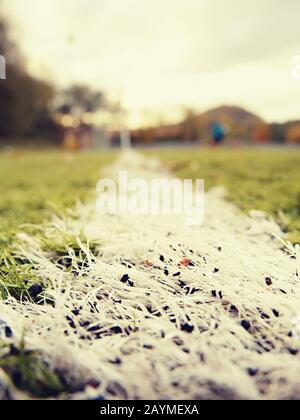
x=24, y=100
x=75, y=109
x=78, y=100
x=7, y=47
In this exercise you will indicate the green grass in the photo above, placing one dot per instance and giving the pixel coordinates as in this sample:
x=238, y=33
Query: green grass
x=29, y=372
x=267, y=180
x=34, y=184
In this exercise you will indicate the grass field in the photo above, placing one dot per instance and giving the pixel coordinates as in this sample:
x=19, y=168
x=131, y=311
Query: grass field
x=267, y=180
x=36, y=184
x=33, y=184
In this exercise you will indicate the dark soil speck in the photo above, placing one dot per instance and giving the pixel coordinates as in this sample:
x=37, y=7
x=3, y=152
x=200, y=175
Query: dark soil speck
x=116, y=330
x=8, y=332
x=126, y=280
x=35, y=290
x=187, y=328
x=252, y=372
x=246, y=325
x=269, y=281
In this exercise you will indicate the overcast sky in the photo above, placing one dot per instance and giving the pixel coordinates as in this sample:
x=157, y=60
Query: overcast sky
x=166, y=54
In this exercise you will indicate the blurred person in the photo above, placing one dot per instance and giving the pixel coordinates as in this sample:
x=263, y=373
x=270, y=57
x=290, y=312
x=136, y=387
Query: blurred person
x=218, y=133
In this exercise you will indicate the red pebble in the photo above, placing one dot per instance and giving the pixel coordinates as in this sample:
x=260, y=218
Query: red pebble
x=148, y=264
x=185, y=262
